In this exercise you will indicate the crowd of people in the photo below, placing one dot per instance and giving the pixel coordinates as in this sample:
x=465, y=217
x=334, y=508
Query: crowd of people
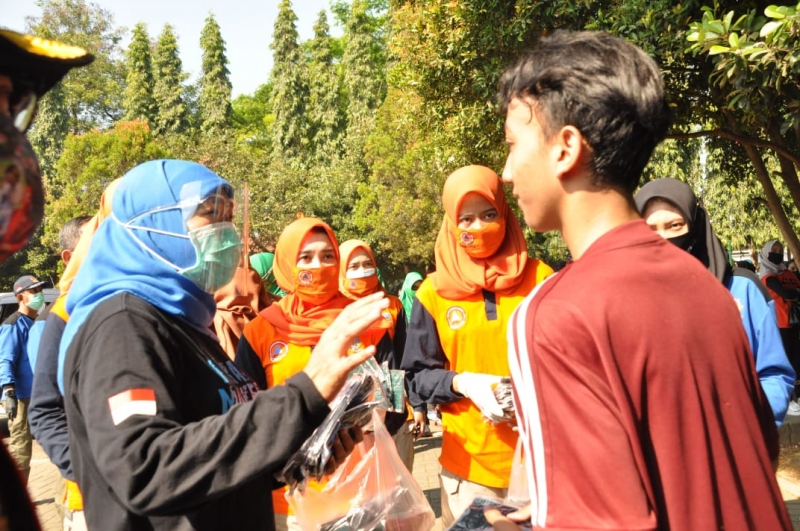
x=175, y=375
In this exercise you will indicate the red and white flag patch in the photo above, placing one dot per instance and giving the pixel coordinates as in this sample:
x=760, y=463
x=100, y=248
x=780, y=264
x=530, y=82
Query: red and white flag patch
x=132, y=402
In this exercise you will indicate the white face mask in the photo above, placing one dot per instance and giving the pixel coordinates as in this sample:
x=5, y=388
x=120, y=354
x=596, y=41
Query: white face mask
x=360, y=273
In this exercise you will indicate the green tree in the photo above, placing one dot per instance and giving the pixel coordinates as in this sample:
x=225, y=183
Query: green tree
x=138, y=101
x=253, y=118
x=92, y=95
x=324, y=110
x=168, y=85
x=363, y=77
x=268, y=209
x=376, y=20
x=50, y=129
x=290, y=89
x=214, y=103
x=754, y=73
x=90, y=161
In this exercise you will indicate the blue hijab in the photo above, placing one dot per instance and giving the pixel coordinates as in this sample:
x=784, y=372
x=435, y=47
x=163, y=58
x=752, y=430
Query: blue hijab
x=160, y=195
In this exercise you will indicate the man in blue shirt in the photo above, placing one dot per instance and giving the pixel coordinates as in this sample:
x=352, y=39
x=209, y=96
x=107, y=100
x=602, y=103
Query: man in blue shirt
x=16, y=374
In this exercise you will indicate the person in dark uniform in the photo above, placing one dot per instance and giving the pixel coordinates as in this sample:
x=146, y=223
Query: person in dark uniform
x=165, y=432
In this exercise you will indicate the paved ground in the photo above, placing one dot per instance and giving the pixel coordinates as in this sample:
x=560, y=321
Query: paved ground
x=45, y=484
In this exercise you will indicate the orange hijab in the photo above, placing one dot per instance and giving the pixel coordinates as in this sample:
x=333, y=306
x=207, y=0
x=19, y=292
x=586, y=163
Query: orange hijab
x=459, y=275
x=299, y=321
x=346, y=251
x=87, y=233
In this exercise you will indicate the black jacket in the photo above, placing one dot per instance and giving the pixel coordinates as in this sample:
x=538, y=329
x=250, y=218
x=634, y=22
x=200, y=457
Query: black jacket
x=204, y=458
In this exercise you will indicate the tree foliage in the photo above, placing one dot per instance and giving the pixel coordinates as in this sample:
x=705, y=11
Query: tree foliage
x=253, y=118
x=214, y=103
x=168, y=80
x=362, y=129
x=50, y=129
x=326, y=122
x=138, y=101
x=93, y=95
x=90, y=161
x=290, y=89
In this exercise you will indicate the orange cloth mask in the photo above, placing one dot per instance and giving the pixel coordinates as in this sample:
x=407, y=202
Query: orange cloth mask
x=316, y=285
x=300, y=321
x=484, y=242
x=355, y=288
x=460, y=274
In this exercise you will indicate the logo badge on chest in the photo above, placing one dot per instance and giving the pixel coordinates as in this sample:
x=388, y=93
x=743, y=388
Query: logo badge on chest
x=277, y=350
x=456, y=317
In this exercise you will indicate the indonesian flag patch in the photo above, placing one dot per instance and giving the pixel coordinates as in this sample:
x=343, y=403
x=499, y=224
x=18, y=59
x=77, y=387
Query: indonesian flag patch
x=132, y=402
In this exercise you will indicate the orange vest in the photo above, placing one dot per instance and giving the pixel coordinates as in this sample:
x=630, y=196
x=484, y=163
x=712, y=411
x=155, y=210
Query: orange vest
x=472, y=448
x=789, y=280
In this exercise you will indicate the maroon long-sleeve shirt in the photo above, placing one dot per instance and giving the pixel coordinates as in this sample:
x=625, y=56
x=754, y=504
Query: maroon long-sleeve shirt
x=639, y=402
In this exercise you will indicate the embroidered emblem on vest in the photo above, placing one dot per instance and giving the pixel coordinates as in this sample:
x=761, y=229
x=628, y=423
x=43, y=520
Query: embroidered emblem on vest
x=456, y=317
x=277, y=350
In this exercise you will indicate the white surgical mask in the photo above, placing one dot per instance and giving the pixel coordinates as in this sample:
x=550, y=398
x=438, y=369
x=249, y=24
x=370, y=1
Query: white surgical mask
x=360, y=273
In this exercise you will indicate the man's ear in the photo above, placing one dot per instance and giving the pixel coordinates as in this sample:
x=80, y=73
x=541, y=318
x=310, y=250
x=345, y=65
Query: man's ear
x=572, y=150
x=66, y=254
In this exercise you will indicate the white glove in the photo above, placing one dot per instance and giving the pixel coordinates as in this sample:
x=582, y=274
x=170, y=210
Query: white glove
x=479, y=389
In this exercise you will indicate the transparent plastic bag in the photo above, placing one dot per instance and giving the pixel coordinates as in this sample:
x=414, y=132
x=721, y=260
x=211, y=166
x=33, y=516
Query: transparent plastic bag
x=371, y=490
x=351, y=407
x=518, y=493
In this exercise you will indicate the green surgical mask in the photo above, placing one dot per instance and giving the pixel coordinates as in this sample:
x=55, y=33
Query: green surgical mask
x=36, y=302
x=218, y=249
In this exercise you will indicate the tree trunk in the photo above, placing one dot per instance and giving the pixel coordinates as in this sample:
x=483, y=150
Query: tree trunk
x=788, y=170
x=773, y=201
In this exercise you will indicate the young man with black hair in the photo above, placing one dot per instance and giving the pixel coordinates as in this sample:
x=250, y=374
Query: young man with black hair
x=634, y=411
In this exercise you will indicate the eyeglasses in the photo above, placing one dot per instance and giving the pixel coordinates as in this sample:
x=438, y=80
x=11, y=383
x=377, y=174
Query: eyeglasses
x=217, y=207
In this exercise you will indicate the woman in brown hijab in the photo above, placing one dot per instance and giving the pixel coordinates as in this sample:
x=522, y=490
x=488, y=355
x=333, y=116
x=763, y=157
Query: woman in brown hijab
x=238, y=303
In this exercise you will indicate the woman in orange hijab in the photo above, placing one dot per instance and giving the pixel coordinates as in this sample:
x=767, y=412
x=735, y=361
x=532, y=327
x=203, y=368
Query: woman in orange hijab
x=358, y=277
x=456, y=346
x=277, y=344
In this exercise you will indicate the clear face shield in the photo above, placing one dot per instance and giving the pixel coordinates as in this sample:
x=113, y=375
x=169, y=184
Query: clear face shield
x=215, y=238
x=197, y=237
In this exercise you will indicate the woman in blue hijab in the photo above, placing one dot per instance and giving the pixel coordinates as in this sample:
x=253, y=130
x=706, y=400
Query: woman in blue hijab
x=165, y=432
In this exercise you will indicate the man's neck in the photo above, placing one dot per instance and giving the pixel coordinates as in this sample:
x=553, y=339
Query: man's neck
x=24, y=310
x=588, y=215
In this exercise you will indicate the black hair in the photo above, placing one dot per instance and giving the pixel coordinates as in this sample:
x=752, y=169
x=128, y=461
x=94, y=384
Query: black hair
x=606, y=87
x=71, y=233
